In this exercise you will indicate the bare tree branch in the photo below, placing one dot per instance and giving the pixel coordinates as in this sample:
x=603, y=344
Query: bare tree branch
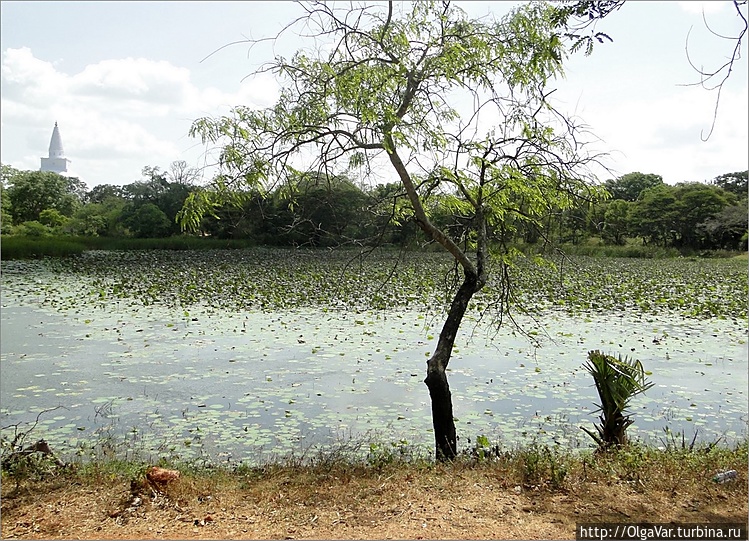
x=715, y=79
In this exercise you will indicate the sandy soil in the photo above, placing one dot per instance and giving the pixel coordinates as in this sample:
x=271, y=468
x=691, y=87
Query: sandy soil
x=430, y=504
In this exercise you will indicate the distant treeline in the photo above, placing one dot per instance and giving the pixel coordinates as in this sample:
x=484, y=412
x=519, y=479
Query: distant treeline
x=323, y=211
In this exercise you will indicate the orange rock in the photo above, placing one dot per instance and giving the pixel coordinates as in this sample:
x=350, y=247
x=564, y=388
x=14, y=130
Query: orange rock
x=161, y=476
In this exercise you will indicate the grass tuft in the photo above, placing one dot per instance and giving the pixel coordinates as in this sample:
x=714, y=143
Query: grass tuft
x=38, y=247
x=536, y=466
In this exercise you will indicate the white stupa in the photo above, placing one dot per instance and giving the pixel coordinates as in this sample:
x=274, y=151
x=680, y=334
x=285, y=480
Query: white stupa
x=56, y=162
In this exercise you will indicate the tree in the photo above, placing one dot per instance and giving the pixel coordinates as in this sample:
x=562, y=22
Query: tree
x=390, y=210
x=31, y=192
x=629, y=187
x=156, y=190
x=99, y=219
x=181, y=173
x=573, y=225
x=6, y=209
x=653, y=216
x=246, y=221
x=32, y=228
x=101, y=192
x=410, y=91
x=728, y=228
x=616, y=222
x=736, y=183
x=695, y=203
x=52, y=218
x=148, y=221
x=321, y=211
x=6, y=174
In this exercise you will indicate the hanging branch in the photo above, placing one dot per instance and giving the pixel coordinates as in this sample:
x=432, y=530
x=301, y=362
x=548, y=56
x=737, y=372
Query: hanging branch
x=721, y=74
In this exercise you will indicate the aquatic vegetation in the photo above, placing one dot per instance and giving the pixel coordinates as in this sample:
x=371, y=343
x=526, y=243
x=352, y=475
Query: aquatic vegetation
x=268, y=279
x=244, y=352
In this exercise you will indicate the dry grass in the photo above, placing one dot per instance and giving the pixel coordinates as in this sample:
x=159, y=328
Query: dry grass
x=537, y=493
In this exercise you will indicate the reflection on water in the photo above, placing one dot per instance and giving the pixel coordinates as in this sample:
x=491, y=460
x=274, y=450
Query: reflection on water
x=230, y=384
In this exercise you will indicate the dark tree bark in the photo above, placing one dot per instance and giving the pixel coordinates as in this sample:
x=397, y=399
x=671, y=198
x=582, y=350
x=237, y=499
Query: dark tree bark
x=387, y=88
x=446, y=447
x=474, y=279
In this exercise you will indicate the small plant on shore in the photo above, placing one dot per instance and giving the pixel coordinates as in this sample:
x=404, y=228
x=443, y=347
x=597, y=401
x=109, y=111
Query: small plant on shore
x=617, y=382
x=381, y=455
x=22, y=460
x=483, y=449
x=544, y=465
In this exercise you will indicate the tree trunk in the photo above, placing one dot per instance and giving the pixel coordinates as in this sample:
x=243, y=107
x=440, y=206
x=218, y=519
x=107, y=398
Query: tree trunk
x=445, y=439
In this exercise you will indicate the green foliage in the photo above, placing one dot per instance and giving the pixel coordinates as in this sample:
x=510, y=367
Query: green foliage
x=103, y=192
x=31, y=192
x=535, y=467
x=544, y=466
x=617, y=382
x=6, y=174
x=389, y=89
x=654, y=214
x=484, y=450
x=321, y=211
x=629, y=187
x=616, y=222
x=381, y=455
x=669, y=468
x=92, y=219
x=728, y=228
x=34, y=247
x=697, y=203
x=6, y=208
x=196, y=206
x=32, y=229
x=687, y=216
x=736, y=183
x=148, y=221
x=153, y=204
x=34, y=466
x=52, y=218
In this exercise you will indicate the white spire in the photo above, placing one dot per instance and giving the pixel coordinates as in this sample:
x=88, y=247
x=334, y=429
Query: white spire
x=56, y=162
x=55, y=144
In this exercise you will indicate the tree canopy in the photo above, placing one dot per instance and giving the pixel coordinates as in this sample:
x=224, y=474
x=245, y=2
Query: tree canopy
x=32, y=192
x=449, y=105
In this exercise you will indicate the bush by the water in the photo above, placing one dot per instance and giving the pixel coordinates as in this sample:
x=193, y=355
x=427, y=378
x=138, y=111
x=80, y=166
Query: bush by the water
x=47, y=245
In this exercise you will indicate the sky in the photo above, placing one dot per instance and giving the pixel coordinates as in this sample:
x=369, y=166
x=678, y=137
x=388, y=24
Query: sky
x=125, y=80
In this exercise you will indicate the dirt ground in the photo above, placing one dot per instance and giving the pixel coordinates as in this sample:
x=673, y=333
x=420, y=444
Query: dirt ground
x=429, y=504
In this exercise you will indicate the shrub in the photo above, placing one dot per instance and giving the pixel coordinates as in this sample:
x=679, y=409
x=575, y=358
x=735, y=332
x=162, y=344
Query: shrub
x=617, y=382
x=33, y=247
x=32, y=229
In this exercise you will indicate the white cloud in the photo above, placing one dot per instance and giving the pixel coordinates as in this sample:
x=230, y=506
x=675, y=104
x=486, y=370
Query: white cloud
x=133, y=78
x=699, y=7
x=127, y=112
x=663, y=136
x=259, y=92
x=30, y=79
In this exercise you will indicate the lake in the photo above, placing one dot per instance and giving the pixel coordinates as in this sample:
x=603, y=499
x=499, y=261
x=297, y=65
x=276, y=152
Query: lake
x=236, y=385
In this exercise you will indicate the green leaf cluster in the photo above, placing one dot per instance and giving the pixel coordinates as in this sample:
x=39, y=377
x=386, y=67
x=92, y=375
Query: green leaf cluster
x=617, y=381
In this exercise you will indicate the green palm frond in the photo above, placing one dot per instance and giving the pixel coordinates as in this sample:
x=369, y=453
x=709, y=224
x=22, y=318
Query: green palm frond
x=617, y=381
